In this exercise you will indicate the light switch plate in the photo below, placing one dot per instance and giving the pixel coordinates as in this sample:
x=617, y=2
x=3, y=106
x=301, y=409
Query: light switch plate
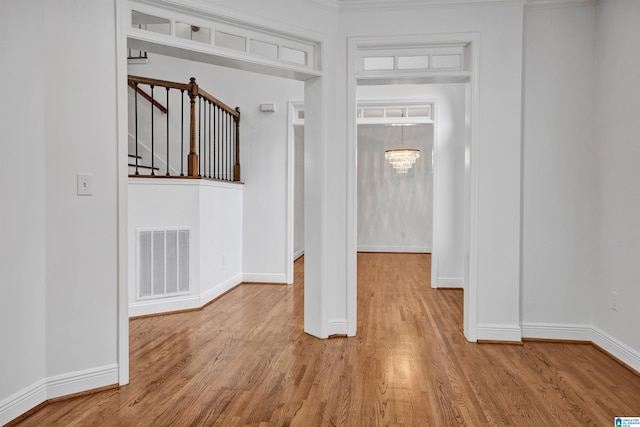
x=84, y=184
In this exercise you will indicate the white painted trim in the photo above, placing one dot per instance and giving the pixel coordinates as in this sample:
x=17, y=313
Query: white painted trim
x=337, y=327
x=330, y=4
x=263, y=278
x=472, y=183
x=392, y=103
x=200, y=14
x=289, y=208
x=435, y=239
x=609, y=344
x=182, y=302
x=555, y=4
x=240, y=17
x=351, y=231
x=499, y=332
x=219, y=289
x=449, y=282
x=360, y=5
x=180, y=48
x=407, y=249
x=122, y=129
x=553, y=331
x=316, y=207
x=616, y=348
x=56, y=386
x=22, y=401
x=164, y=305
x=186, y=182
x=76, y=382
x=297, y=254
x=290, y=256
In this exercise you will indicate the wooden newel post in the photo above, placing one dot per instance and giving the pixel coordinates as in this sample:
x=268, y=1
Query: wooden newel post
x=236, y=166
x=192, y=159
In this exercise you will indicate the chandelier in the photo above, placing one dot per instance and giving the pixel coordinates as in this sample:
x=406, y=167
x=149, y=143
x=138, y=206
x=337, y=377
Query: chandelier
x=402, y=158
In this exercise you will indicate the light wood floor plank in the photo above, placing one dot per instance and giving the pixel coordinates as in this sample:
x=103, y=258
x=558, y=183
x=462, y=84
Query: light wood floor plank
x=245, y=360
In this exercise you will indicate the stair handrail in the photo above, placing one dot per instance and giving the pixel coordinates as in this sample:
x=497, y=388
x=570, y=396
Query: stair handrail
x=148, y=97
x=193, y=90
x=236, y=115
x=158, y=82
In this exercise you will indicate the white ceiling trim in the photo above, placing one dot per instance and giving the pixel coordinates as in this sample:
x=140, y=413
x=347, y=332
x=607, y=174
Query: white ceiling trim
x=331, y=4
x=358, y=5
x=559, y=3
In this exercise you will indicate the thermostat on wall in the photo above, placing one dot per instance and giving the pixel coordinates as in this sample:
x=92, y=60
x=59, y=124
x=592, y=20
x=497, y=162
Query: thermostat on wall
x=268, y=108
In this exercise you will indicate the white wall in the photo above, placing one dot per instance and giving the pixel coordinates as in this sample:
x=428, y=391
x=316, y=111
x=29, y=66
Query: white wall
x=579, y=197
x=558, y=199
x=450, y=137
x=61, y=277
x=263, y=152
x=395, y=211
x=617, y=174
x=22, y=204
x=212, y=211
x=81, y=239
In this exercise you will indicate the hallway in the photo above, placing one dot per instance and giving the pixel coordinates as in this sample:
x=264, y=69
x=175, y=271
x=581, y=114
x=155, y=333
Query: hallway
x=245, y=360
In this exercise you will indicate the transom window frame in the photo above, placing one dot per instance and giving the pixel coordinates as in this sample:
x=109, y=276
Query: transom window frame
x=212, y=33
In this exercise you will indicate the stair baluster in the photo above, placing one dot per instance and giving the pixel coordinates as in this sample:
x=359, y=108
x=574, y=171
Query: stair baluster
x=213, y=151
x=136, y=120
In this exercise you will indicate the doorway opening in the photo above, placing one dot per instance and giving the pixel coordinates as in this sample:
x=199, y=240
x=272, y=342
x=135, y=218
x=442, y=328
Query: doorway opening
x=282, y=70
x=377, y=62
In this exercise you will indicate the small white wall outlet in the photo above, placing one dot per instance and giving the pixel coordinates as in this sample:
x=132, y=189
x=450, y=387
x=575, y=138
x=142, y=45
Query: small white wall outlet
x=84, y=184
x=614, y=300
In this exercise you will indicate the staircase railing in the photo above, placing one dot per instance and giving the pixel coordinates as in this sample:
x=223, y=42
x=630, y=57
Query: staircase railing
x=213, y=134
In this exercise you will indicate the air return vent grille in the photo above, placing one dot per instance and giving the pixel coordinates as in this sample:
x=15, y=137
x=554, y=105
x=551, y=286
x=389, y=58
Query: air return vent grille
x=163, y=262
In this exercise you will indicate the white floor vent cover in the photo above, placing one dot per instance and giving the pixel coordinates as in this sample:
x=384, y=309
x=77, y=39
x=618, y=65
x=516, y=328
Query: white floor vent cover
x=163, y=262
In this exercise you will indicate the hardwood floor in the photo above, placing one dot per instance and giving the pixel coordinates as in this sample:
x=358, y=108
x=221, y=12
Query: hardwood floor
x=245, y=360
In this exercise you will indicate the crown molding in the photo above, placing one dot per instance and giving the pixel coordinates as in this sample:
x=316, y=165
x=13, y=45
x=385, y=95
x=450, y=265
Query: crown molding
x=359, y=5
x=551, y=4
x=328, y=4
x=364, y=5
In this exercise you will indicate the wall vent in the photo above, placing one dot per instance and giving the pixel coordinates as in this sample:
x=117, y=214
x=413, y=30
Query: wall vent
x=163, y=262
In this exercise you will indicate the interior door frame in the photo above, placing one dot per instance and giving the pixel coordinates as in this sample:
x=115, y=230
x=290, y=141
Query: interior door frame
x=356, y=45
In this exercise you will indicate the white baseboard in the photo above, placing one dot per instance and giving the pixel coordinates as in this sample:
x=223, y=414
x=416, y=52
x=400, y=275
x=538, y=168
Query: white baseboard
x=616, y=348
x=337, y=327
x=557, y=331
x=183, y=302
x=499, y=332
x=22, y=401
x=450, y=282
x=574, y=332
x=408, y=249
x=264, y=278
x=60, y=385
x=297, y=254
x=220, y=289
x=75, y=382
x=164, y=305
